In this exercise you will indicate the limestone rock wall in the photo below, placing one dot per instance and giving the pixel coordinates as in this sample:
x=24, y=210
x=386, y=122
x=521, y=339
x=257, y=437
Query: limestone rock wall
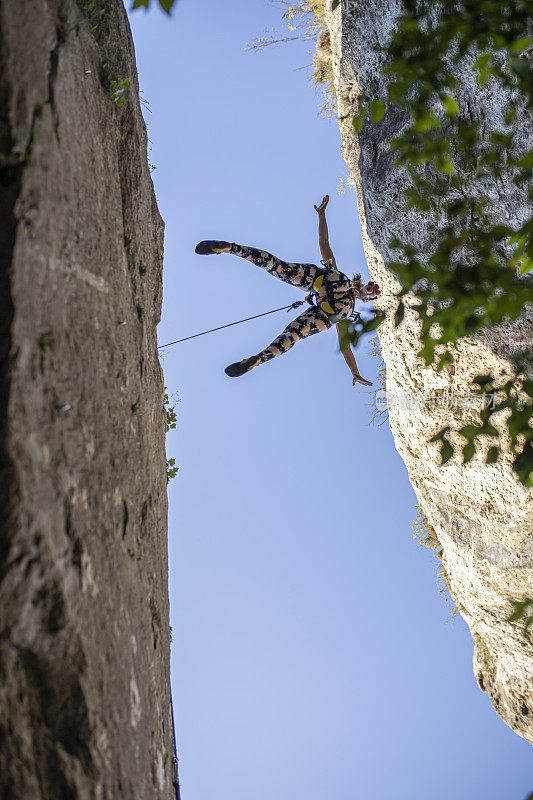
x=481, y=514
x=84, y=623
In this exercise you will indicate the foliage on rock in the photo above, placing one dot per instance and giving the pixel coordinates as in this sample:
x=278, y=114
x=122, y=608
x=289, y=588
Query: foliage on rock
x=170, y=423
x=117, y=89
x=468, y=279
x=523, y=611
x=424, y=533
x=304, y=19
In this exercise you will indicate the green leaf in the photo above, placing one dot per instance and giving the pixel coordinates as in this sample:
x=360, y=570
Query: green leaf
x=470, y=431
x=377, y=111
x=446, y=358
x=139, y=3
x=166, y=5
x=468, y=451
x=519, y=45
x=334, y=4
x=445, y=164
x=526, y=265
x=489, y=430
x=510, y=115
x=358, y=119
x=492, y=455
x=372, y=324
x=483, y=61
x=450, y=105
x=439, y=437
x=424, y=122
x=523, y=467
x=520, y=607
x=484, y=69
x=446, y=451
x=400, y=311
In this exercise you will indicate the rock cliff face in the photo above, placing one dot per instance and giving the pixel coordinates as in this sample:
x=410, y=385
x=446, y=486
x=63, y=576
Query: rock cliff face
x=84, y=634
x=481, y=514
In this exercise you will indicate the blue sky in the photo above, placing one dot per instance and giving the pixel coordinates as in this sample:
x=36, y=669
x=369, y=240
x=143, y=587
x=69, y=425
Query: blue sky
x=312, y=651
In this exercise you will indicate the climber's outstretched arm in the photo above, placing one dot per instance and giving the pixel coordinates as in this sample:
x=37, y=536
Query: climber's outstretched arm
x=350, y=360
x=323, y=239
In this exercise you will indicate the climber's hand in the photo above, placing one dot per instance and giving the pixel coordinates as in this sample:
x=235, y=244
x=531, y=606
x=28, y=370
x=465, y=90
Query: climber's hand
x=358, y=379
x=322, y=207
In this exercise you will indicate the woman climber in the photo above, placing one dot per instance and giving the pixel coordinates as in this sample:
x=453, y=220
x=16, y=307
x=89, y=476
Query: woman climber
x=335, y=295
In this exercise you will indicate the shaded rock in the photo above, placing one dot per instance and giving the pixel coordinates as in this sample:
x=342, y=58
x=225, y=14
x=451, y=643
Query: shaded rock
x=84, y=634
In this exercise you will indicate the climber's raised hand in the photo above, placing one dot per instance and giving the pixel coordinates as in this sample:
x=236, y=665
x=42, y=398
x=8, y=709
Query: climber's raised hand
x=322, y=207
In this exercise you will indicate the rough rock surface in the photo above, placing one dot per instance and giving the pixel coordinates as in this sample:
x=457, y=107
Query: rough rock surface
x=84, y=633
x=481, y=514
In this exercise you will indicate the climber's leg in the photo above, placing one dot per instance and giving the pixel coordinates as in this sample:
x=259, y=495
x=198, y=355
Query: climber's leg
x=313, y=320
x=301, y=275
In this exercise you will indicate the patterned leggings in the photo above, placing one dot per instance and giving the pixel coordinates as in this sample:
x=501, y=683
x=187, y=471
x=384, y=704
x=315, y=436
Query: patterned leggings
x=314, y=319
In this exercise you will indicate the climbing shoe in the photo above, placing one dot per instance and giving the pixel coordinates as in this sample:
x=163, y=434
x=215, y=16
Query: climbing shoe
x=234, y=370
x=207, y=248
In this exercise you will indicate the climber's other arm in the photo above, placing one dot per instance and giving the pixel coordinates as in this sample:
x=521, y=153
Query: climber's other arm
x=350, y=360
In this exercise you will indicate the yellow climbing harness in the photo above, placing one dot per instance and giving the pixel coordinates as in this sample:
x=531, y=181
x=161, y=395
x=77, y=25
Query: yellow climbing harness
x=312, y=299
x=317, y=283
x=325, y=306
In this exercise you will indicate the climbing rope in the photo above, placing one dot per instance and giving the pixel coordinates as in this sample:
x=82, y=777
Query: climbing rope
x=212, y=330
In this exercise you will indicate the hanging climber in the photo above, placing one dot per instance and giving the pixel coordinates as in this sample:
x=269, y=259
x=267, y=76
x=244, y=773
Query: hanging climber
x=334, y=295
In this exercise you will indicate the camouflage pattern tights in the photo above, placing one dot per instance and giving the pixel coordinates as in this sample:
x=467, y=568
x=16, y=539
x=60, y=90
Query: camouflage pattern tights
x=334, y=291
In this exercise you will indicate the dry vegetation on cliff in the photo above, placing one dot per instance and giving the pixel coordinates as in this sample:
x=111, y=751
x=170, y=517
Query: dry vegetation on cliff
x=306, y=21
